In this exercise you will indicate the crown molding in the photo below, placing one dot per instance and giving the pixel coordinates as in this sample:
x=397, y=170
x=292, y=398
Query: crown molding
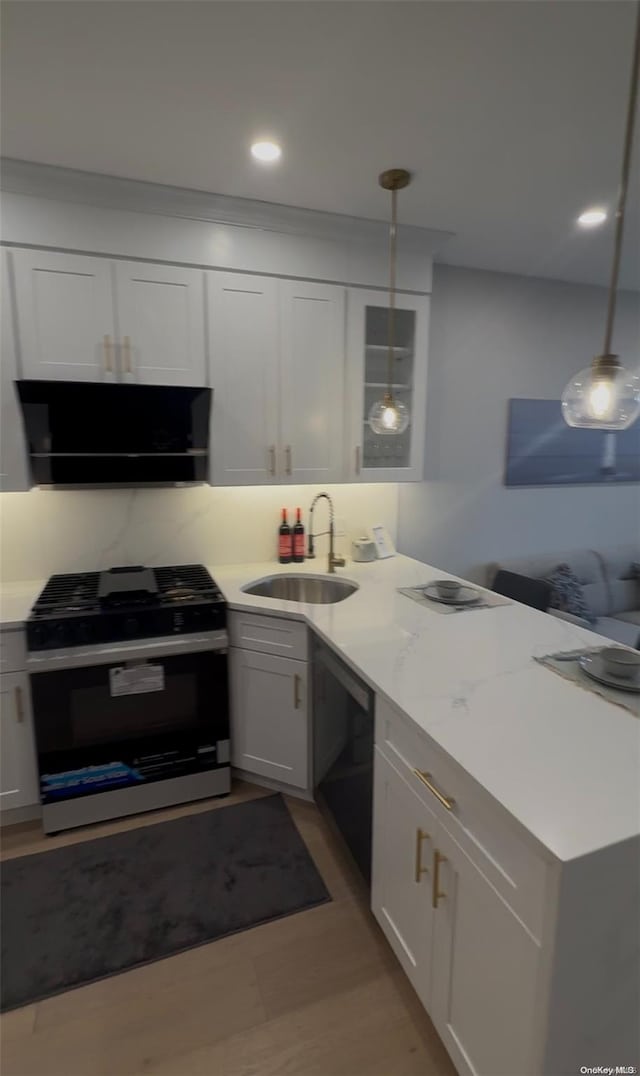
x=113, y=192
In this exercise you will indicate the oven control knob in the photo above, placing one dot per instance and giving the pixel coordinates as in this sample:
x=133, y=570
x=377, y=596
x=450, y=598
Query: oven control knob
x=39, y=635
x=83, y=632
x=60, y=633
x=131, y=625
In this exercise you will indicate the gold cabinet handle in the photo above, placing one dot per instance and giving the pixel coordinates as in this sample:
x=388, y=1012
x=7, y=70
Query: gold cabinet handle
x=427, y=780
x=272, y=459
x=288, y=465
x=296, y=691
x=420, y=837
x=107, y=348
x=19, y=706
x=436, y=894
x=126, y=354
x=357, y=459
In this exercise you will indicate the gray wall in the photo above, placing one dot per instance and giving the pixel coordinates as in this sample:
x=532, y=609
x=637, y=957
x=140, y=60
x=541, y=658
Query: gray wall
x=493, y=337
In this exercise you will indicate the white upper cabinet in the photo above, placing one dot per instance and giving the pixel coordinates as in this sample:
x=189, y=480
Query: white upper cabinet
x=65, y=316
x=91, y=319
x=14, y=472
x=372, y=457
x=277, y=373
x=312, y=319
x=161, y=324
x=243, y=342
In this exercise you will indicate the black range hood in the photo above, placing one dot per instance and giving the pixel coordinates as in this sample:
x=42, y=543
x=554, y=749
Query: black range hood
x=86, y=434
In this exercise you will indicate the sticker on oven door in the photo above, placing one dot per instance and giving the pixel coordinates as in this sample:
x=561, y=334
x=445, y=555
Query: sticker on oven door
x=87, y=779
x=136, y=679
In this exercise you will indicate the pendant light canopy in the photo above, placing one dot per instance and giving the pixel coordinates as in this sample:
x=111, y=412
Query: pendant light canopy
x=388, y=415
x=605, y=396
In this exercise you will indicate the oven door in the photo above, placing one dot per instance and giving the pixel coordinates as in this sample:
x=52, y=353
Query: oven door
x=112, y=725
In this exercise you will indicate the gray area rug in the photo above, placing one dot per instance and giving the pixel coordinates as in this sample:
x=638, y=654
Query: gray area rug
x=81, y=913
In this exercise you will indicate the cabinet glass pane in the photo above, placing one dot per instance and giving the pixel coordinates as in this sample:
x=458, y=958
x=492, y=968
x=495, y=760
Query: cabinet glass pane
x=388, y=451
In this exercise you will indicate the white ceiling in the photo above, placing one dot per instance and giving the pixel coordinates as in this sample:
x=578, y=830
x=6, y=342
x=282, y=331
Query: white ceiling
x=509, y=113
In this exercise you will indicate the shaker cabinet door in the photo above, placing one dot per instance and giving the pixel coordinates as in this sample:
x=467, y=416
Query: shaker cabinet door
x=18, y=771
x=161, y=324
x=65, y=316
x=485, y=967
x=14, y=467
x=312, y=392
x=243, y=342
x=404, y=831
x=269, y=716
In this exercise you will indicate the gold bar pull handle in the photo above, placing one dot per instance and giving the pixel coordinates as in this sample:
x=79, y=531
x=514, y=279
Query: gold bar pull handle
x=126, y=354
x=421, y=836
x=357, y=459
x=296, y=691
x=272, y=459
x=427, y=780
x=19, y=706
x=107, y=349
x=436, y=893
x=288, y=464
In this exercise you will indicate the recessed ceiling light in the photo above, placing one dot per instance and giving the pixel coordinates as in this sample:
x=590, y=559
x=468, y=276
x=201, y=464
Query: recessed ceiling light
x=592, y=217
x=266, y=151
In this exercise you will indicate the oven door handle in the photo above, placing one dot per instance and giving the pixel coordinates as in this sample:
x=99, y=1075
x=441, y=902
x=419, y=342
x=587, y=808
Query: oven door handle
x=77, y=657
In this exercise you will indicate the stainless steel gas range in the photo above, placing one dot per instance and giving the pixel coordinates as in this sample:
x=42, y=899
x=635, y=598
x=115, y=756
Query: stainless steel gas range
x=128, y=672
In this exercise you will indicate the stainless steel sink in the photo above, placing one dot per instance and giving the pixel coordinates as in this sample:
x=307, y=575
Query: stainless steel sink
x=315, y=589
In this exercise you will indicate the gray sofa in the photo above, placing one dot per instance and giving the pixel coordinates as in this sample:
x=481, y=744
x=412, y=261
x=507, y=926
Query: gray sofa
x=610, y=586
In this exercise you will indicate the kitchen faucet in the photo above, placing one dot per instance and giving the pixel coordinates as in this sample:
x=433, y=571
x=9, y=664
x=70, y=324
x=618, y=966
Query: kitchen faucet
x=334, y=562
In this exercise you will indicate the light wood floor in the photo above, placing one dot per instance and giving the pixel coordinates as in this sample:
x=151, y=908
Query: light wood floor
x=316, y=994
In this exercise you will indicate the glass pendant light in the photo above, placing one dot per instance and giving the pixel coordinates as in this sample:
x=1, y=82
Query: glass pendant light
x=388, y=415
x=605, y=396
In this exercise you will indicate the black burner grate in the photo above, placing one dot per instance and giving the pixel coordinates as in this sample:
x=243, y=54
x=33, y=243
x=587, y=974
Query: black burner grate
x=81, y=592
x=184, y=579
x=69, y=592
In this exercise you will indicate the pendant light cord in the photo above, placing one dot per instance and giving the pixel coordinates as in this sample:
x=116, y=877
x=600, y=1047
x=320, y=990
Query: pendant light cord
x=392, y=291
x=624, y=187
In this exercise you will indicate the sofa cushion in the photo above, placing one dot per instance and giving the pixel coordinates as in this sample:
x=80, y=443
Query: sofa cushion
x=621, y=578
x=567, y=593
x=620, y=631
x=585, y=565
x=632, y=617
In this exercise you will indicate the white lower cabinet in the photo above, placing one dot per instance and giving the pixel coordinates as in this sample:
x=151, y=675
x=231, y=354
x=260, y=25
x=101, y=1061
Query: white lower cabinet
x=18, y=772
x=484, y=970
x=403, y=834
x=472, y=962
x=269, y=716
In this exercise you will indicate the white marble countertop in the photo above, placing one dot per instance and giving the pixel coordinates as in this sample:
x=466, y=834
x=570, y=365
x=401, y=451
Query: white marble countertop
x=561, y=760
x=16, y=600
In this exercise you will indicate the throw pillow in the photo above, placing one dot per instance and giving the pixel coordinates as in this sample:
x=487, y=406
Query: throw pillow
x=567, y=594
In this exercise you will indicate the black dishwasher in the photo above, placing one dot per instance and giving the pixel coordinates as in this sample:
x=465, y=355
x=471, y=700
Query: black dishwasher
x=343, y=741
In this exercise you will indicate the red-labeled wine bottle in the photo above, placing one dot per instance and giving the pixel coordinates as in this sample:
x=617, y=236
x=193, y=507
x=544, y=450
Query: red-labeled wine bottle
x=284, y=540
x=298, y=539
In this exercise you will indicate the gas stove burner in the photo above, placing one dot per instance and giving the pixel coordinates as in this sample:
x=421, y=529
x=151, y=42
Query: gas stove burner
x=125, y=603
x=180, y=594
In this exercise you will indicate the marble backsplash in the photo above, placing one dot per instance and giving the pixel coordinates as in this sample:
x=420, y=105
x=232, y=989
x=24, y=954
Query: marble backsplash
x=47, y=531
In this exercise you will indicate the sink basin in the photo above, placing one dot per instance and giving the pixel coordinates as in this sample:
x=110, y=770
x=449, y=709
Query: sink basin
x=315, y=589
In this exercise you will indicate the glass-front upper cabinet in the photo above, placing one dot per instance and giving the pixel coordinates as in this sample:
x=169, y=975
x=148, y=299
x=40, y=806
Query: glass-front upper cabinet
x=375, y=457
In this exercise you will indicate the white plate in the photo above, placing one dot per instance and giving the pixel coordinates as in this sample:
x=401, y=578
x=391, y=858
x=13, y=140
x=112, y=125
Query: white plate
x=593, y=666
x=465, y=596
